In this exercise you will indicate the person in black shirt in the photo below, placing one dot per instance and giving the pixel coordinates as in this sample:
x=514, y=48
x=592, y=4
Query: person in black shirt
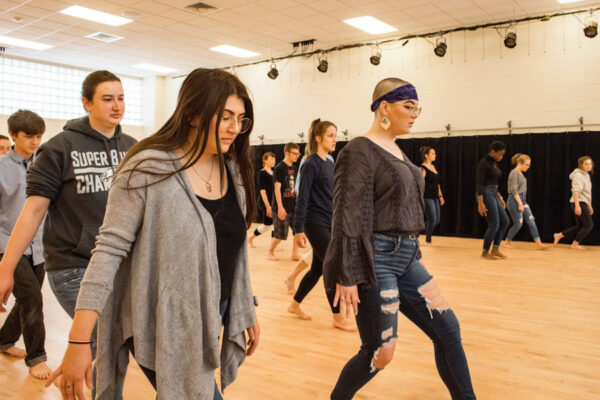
x=314, y=207
x=265, y=196
x=490, y=203
x=433, y=192
x=284, y=199
x=373, y=260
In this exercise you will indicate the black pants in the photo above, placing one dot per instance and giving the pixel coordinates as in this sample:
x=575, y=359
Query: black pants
x=583, y=223
x=26, y=317
x=319, y=237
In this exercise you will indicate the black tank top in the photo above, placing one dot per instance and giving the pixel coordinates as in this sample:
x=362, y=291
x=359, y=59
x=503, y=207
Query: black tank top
x=432, y=180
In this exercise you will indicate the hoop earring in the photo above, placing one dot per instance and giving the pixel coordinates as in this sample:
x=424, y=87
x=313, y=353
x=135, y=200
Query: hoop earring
x=385, y=123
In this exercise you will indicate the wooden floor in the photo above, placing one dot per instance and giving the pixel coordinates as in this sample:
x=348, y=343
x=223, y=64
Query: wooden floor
x=530, y=328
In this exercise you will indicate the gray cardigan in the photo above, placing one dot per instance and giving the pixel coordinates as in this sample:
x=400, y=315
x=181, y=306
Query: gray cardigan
x=517, y=183
x=154, y=276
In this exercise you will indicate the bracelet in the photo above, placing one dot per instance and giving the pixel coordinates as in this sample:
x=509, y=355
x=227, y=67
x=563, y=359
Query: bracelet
x=78, y=342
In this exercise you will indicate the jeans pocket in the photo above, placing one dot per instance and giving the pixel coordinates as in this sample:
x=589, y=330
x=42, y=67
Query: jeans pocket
x=384, y=244
x=66, y=278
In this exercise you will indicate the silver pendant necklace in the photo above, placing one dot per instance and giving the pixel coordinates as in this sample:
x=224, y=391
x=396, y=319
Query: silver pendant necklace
x=207, y=183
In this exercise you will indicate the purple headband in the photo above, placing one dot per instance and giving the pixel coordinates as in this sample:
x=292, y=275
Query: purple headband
x=406, y=92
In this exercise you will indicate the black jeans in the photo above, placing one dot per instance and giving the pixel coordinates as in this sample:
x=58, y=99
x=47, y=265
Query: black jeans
x=319, y=237
x=27, y=315
x=583, y=223
x=401, y=282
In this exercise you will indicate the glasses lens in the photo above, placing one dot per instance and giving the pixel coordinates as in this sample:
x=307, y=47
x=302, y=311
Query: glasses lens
x=245, y=124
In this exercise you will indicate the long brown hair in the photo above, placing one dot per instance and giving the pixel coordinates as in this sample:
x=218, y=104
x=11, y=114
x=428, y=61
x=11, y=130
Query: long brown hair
x=203, y=94
x=317, y=129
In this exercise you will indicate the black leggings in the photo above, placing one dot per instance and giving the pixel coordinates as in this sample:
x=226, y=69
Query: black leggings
x=319, y=237
x=583, y=223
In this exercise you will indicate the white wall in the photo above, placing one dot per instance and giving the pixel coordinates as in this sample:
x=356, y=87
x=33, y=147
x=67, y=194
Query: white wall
x=551, y=78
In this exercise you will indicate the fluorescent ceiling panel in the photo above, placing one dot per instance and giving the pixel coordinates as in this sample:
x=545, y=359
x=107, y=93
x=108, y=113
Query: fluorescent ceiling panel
x=154, y=68
x=23, y=43
x=96, y=16
x=234, y=51
x=370, y=25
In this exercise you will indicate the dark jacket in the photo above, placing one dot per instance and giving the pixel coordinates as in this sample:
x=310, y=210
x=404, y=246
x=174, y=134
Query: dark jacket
x=74, y=170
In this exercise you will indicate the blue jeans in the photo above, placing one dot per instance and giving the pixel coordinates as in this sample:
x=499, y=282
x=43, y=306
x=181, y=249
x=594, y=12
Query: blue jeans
x=65, y=284
x=518, y=217
x=432, y=211
x=496, y=218
x=402, y=280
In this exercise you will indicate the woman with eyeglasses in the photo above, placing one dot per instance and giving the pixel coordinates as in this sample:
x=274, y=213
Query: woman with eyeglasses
x=490, y=203
x=170, y=266
x=517, y=202
x=373, y=260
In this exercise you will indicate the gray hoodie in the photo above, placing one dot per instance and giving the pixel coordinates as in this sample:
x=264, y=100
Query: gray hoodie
x=581, y=183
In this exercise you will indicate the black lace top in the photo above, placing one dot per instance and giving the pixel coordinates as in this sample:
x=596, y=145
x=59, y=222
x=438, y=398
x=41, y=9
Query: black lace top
x=374, y=192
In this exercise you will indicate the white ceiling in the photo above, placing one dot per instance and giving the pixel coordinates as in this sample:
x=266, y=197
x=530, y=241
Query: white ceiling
x=167, y=34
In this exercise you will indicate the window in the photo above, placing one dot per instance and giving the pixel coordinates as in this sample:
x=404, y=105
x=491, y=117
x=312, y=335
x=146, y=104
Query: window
x=55, y=92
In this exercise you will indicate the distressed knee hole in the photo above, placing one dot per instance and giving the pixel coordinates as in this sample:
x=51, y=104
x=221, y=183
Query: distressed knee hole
x=526, y=206
x=521, y=220
x=531, y=217
x=389, y=293
x=433, y=297
x=390, y=308
x=385, y=335
x=383, y=355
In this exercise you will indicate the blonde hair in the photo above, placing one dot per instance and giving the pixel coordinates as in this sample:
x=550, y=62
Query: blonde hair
x=519, y=159
x=317, y=129
x=583, y=159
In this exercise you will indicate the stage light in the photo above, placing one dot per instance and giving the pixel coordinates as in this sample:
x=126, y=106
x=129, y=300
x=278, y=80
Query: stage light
x=440, y=47
x=323, y=64
x=273, y=73
x=510, y=40
x=591, y=29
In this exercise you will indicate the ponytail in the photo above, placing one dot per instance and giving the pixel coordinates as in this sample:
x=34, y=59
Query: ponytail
x=317, y=129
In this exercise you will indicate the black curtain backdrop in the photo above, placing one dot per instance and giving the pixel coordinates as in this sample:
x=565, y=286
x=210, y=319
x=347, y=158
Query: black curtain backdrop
x=553, y=157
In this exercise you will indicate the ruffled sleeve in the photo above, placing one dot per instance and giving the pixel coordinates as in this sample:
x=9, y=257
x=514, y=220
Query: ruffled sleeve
x=349, y=258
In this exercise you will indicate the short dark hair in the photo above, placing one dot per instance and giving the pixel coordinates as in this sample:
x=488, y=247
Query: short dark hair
x=497, y=145
x=289, y=146
x=268, y=154
x=2, y=137
x=91, y=82
x=27, y=122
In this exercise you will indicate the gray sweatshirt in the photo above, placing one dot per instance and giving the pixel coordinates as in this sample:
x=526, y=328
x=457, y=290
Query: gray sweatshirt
x=517, y=183
x=154, y=276
x=581, y=183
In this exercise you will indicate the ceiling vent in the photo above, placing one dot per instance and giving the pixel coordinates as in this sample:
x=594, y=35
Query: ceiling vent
x=104, y=37
x=201, y=8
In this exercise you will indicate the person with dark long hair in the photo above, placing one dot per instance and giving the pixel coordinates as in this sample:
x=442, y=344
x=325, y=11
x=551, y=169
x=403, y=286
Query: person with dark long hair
x=170, y=265
x=581, y=203
x=517, y=205
x=314, y=207
x=433, y=192
x=490, y=203
x=373, y=260
x=264, y=179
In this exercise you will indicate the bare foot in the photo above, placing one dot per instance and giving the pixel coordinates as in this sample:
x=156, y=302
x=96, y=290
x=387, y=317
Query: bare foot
x=40, y=371
x=290, y=285
x=557, y=237
x=429, y=244
x=14, y=352
x=295, y=257
x=508, y=244
x=577, y=247
x=487, y=255
x=294, y=308
x=251, y=242
x=271, y=256
x=496, y=253
x=345, y=324
x=542, y=246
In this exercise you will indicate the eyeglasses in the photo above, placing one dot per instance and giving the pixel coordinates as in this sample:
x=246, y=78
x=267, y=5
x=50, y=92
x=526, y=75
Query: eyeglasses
x=411, y=108
x=244, y=124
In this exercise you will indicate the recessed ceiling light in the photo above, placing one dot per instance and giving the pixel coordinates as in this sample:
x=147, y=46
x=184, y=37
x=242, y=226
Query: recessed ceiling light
x=96, y=16
x=234, y=51
x=154, y=68
x=568, y=1
x=104, y=37
x=24, y=43
x=370, y=25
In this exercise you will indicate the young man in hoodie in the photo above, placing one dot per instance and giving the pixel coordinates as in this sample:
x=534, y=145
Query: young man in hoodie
x=581, y=203
x=26, y=317
x=70, y=180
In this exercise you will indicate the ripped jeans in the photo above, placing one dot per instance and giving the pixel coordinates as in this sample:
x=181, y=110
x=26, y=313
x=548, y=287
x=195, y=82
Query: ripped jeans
x=404, y=285
x=517, y=217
